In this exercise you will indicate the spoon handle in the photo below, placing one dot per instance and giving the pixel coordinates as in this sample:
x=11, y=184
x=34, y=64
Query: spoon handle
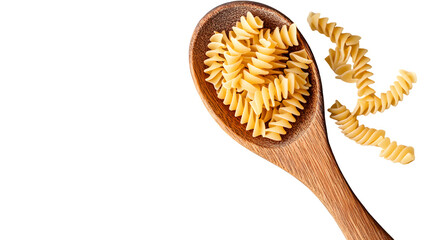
x=349, y=213
x=329, y=185
x=310, y=160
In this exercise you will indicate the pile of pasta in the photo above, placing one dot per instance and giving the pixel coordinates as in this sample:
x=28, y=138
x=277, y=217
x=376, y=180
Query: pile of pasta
x=346, y=49
x=254, y=73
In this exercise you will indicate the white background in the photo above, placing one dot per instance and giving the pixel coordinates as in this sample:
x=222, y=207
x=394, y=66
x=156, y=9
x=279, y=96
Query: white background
x=103, y=135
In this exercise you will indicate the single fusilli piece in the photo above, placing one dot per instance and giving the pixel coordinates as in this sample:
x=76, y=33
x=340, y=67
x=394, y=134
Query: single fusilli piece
x=283, y=116
x=347, y=46
x=373, y=103
x=215, y=60
x=239, y=103
x=285, y=37
x=369, y=136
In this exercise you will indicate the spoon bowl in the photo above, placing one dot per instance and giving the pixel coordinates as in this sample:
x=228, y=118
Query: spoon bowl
x=224, y=17
x=304, y=151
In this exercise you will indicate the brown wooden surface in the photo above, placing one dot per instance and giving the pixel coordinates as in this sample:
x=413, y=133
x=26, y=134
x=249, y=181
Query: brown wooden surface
x=304, y=152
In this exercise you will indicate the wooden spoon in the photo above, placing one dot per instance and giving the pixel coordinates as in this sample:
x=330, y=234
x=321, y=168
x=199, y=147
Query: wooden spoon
x=304, y=151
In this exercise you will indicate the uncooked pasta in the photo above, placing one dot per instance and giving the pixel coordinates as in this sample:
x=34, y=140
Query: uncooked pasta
x=254, y=73
x=347, y=49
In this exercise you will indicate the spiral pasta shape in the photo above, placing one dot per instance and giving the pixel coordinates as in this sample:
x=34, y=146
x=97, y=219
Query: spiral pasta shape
x=369, y=136
x=285, y=37
x=347, y=49
x=256, y=76
x=396, y=153
x=260, y=65
x=298, y=59
x=215, y=60
x=337, y=60
x=352, y=129
x=239, y=103
x=250, y=24
x=398, y=89
x=285, y=114
x=276, y=90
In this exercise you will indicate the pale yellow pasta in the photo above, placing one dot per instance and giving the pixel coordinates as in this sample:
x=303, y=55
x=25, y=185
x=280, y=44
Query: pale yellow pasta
x=239, y=103
x=368, y=136
x=285, y=37
x=298, y=59
x=254, y=73
x=284, y=115
x=276, y=90
x=352, y=129
x=215, y=60
x=250, y=24
x=337, y=60
x=373, y=103
x=347, y=48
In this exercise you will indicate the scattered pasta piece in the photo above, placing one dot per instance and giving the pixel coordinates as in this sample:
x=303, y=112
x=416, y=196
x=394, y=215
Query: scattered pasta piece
x=369, y=136
x=254, y=73
x=373, y=103
x=347, y=48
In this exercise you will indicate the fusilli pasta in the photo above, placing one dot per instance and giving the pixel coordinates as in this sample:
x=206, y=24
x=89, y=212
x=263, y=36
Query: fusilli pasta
x=347, y=48
x=373, y=103
x=369, y=136
x=254, y=73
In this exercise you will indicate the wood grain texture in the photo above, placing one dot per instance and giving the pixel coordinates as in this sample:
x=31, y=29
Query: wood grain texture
x=304, y=151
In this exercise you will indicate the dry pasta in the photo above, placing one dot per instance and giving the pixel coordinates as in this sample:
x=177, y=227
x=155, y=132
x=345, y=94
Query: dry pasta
x=373, y=103
x=254, y=74
x=347, y=48
x=369, y=136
